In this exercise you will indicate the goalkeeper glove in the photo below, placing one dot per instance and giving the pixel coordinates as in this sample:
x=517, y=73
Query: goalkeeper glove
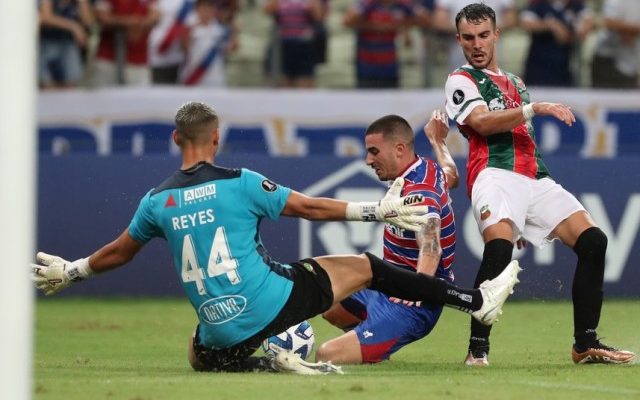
x=52, y=273
x=407, y=212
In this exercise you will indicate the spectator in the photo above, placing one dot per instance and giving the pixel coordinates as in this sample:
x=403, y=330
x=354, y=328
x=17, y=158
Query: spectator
x=378, y=24
x=205, y=46
x=557, y=28
x=165, y=50
x=320, y=34
x=293, y=47
x=616, y=61
x=430, y=38
x=122, y=51
x=227, y=10
x=63, y=33
x=443, y=21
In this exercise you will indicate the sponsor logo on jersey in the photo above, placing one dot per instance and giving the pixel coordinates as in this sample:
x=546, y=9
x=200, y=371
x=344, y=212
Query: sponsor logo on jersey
x=367, y=334
x=485, y=212
x=496, y=104
x=171, y=202
x=413, y=199
x=221, y=309
x=269, y=186
x=458, y=97
x=200, y=193
x=399, y=232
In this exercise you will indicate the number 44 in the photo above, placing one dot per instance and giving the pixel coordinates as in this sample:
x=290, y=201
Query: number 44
x=220, y=261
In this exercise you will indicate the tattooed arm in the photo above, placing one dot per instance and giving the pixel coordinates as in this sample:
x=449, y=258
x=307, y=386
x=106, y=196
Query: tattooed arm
x=428, y=238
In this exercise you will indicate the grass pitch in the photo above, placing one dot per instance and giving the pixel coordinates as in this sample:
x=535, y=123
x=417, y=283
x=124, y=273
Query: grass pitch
x=135, y=349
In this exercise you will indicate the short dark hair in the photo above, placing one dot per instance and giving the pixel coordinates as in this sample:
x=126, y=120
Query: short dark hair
x=392, y=126
x=476, y=12
x=194, y=119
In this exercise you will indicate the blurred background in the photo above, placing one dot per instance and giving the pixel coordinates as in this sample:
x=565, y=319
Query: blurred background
x=296, y=83
x=143, y=42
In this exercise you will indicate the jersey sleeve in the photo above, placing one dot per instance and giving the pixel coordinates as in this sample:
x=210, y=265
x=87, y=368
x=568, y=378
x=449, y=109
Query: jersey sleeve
x=432, y=199
x=143, y=226
x=462, y=97
x=266, y=198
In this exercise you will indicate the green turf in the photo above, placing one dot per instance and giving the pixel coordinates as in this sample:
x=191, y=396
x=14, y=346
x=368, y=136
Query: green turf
x=135, y=349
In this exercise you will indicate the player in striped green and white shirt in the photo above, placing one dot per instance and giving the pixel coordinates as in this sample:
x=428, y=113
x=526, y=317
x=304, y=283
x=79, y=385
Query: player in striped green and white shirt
x=512, y=193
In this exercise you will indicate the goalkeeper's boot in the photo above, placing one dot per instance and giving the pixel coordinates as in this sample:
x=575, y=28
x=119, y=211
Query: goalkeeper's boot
x=286, y=361
x=495, y=293
x=477, y=358
x=600, y=353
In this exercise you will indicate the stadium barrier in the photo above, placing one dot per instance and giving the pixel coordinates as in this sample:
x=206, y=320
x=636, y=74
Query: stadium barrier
x=86, y=201
x=88, y=196
x=301, y=123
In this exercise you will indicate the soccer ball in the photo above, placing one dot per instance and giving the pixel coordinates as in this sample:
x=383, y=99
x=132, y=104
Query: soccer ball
x=298, y=339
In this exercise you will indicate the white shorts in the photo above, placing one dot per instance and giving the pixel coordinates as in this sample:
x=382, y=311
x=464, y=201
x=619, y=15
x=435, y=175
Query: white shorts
x=533, y=206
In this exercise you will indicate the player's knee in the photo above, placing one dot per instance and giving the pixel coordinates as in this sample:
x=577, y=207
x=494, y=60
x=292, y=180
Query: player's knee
x=378, y=269
x=195, y=363
x=591, y=243
x=325, y=352
x=497, y=251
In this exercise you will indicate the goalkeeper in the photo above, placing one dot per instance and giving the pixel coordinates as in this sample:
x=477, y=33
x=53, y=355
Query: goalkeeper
x=210, y=215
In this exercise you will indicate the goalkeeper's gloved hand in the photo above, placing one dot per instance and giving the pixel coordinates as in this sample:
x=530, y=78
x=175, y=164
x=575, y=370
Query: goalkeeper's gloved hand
x=407, y=212
x=52, y=273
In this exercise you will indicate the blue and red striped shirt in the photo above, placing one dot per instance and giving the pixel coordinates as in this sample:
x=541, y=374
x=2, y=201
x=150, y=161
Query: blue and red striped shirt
x=295, y=20
x=424, y=177
x=377, y=56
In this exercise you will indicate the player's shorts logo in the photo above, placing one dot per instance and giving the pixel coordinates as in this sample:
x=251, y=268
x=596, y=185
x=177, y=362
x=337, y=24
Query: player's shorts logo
x=221, y=309
x=269, y=186
x=485, y=212
x=309, y=267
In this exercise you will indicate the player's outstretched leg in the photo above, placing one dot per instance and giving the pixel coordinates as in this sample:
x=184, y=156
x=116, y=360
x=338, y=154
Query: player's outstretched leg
x=484, y=304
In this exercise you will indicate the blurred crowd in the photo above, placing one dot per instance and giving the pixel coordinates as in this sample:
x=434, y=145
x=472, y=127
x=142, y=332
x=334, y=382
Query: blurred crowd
x=97, y=43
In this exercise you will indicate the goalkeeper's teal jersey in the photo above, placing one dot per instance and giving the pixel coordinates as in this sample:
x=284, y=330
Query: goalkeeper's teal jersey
x=210, y=217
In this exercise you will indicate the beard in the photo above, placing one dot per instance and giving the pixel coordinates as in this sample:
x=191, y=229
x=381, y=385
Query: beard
x=482, y=63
